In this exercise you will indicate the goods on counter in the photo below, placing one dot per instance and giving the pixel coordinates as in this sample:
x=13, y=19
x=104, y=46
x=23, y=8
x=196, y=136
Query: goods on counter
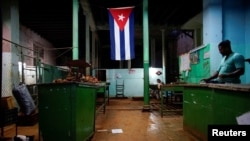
x=76, y=69
x=73, y=78
x=90, y=79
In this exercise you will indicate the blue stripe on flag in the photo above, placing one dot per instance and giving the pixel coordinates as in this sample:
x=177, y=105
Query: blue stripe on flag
x=112, y=38
x=131, y=32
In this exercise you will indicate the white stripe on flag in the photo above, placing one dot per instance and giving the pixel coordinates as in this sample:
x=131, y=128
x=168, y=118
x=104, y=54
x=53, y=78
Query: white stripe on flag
x=127, y=40
x=117, y=41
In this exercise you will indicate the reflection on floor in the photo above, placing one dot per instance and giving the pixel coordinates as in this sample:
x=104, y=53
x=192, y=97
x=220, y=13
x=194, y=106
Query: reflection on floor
x=125, y=120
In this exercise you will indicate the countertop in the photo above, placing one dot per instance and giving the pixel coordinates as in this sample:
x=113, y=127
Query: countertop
x=233, y=87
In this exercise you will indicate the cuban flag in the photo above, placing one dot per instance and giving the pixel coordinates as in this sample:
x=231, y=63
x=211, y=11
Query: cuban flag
x=121, y=24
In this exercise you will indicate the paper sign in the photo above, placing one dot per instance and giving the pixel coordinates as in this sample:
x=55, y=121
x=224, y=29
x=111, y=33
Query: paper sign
x=114, y=131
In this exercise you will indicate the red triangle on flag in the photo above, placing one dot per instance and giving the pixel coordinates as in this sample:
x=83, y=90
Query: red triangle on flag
x=121, y=15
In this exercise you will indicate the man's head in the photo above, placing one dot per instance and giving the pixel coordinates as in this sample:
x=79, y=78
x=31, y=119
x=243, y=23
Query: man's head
x=225, y=47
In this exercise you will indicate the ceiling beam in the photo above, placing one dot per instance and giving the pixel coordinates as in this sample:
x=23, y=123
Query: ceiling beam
x=87, y=12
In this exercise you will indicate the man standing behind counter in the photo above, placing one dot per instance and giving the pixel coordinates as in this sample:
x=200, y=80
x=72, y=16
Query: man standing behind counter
x=232, y=66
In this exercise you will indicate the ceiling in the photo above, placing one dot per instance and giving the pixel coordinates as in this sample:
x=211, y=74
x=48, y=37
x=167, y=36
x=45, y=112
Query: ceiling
x=53, y=19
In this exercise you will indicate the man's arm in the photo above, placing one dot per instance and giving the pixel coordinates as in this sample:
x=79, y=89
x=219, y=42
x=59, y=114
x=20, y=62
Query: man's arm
x=238, y=72
x=215, y=75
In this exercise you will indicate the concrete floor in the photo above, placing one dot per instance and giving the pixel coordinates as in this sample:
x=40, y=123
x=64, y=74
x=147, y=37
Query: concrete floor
x=126, y=116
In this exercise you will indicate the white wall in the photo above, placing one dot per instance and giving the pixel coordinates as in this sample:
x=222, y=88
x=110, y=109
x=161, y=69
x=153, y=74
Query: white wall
x=133, y=80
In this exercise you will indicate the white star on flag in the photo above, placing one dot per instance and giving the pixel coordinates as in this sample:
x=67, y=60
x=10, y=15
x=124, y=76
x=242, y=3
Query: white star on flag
x=121, y=17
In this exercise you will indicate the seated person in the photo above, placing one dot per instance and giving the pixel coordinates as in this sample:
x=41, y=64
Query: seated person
x=159, y=83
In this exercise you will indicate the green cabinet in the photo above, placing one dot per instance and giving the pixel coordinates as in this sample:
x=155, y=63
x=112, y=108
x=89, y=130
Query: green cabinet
x=67, y=111
x=211, y=104
x=197, y=110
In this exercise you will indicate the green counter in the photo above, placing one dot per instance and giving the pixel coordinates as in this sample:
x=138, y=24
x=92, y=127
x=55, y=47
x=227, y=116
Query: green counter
x=211, y=104
x=67, y=111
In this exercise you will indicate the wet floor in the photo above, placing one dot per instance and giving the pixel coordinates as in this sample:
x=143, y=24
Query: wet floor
x=132, y=124
x=125, y=120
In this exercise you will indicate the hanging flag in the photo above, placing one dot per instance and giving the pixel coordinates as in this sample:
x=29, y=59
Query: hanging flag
x=121, y=24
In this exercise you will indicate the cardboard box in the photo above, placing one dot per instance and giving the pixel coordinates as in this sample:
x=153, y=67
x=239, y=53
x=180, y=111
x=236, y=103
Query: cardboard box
x=8, y=102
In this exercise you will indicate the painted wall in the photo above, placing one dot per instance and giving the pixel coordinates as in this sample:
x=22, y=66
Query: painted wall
x=212, y=30
x=31, y=40
x=234, y=25
x=133, y=80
